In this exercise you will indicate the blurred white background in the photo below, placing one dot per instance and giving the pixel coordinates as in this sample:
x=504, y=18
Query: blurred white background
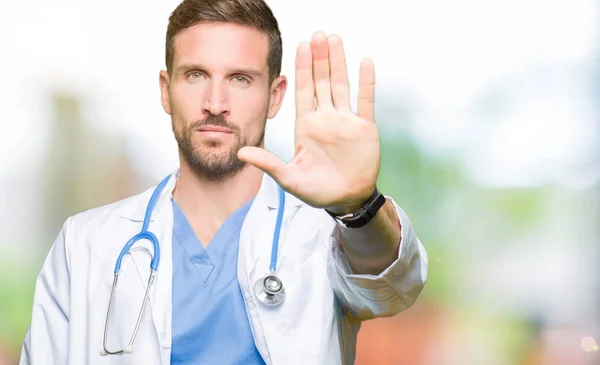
x=502, y=97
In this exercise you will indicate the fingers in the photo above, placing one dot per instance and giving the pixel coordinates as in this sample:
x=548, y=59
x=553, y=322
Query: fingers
x=340, y=87
x=305, y=87
x=322, y=74
x=366, y=91
x=320, y=59
x=265, y=161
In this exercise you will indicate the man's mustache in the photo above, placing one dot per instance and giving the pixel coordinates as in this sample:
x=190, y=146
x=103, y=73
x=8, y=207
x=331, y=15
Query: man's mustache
x=216, y=120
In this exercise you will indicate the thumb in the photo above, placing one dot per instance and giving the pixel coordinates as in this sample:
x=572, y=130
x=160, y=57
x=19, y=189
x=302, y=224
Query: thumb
x=265, y=161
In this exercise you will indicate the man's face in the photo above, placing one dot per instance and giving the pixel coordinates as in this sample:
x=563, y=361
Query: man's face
x=219, y=96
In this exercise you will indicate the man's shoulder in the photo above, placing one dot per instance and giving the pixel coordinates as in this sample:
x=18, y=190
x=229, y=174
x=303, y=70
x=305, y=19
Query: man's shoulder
x=105, y=213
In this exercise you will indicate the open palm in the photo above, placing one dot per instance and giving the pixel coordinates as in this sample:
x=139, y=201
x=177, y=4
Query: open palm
x=337, y=154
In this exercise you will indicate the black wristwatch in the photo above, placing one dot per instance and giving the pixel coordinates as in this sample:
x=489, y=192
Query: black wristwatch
x=364, y=214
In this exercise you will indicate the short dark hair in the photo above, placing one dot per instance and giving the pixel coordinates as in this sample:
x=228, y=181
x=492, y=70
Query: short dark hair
x=251, y=13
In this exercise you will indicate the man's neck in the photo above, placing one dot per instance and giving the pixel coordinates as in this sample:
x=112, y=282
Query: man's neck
x=207, y=204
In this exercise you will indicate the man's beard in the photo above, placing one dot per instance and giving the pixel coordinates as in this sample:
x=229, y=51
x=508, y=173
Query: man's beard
x=214, y=166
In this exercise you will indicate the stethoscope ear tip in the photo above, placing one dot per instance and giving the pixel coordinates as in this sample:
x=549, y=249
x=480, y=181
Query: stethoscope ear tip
x=103, y=353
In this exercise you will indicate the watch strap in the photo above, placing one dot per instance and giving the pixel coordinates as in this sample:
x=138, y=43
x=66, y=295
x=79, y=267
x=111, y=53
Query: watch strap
x=364, y=214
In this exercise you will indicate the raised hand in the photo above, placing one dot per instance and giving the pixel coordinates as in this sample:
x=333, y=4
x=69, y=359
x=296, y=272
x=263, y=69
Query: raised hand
x=337, y=154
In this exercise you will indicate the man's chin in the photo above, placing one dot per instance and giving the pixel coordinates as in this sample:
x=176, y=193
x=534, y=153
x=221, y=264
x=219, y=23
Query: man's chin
x=215, y=156
x=209, y=144
x=215, y=153
x=217, y=168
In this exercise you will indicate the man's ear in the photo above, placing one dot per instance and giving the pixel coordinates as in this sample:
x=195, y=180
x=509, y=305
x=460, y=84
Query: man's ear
x=278, y=88
x=164, y=81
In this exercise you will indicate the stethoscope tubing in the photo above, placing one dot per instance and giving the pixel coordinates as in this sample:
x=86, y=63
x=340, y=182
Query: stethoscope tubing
x=146, y=234
x=277, y=231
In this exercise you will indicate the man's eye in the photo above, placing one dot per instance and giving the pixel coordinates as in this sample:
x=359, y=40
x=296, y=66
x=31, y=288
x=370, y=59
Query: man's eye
x=241, y=79
x=195, y=75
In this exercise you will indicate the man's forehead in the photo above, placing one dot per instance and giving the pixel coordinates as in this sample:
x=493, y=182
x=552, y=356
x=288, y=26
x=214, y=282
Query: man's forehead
x=222, y=44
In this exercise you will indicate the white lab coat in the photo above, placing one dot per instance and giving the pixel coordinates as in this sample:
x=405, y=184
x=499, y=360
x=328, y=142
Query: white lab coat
x=317, y=323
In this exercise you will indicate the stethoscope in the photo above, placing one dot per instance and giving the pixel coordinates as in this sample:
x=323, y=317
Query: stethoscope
x=268, y=290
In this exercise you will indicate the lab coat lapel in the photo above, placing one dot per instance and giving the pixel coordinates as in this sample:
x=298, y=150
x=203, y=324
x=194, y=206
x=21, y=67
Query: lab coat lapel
x=161, y=224
x=161, y=299
x=255, y=254
x=248, y=257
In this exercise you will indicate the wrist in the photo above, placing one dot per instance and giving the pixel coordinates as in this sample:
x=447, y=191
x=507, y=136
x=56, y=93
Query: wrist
x=345, y=208
x=357, y=215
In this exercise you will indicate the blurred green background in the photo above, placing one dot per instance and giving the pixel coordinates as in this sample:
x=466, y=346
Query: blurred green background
x=489, y=117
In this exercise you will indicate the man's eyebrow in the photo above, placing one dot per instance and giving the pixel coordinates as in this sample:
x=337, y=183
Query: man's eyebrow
x=188, y=66
x=247, y=71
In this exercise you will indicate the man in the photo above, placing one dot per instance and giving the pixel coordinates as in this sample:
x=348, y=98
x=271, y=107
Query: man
x=343, y=252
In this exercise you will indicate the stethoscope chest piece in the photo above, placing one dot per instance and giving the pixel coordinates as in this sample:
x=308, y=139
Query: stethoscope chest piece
x=269, y=290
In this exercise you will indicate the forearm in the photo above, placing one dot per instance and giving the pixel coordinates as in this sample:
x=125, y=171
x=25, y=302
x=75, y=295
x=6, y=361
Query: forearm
x=374, y=247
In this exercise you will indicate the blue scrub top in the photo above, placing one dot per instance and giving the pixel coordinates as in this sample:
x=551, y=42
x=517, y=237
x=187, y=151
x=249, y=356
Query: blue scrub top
x=210, y=323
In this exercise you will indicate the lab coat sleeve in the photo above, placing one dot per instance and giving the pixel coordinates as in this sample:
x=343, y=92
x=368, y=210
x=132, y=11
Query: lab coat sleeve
x=395, y=289
x=47, y=339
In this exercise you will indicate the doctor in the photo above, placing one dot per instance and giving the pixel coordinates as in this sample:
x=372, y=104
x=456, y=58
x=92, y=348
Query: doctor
x=243, y=259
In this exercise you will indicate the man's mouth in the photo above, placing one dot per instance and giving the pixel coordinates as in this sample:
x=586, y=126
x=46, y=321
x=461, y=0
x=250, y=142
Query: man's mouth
x=214, y=128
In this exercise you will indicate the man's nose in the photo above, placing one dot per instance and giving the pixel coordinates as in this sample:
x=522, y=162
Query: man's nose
x=216, y=101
